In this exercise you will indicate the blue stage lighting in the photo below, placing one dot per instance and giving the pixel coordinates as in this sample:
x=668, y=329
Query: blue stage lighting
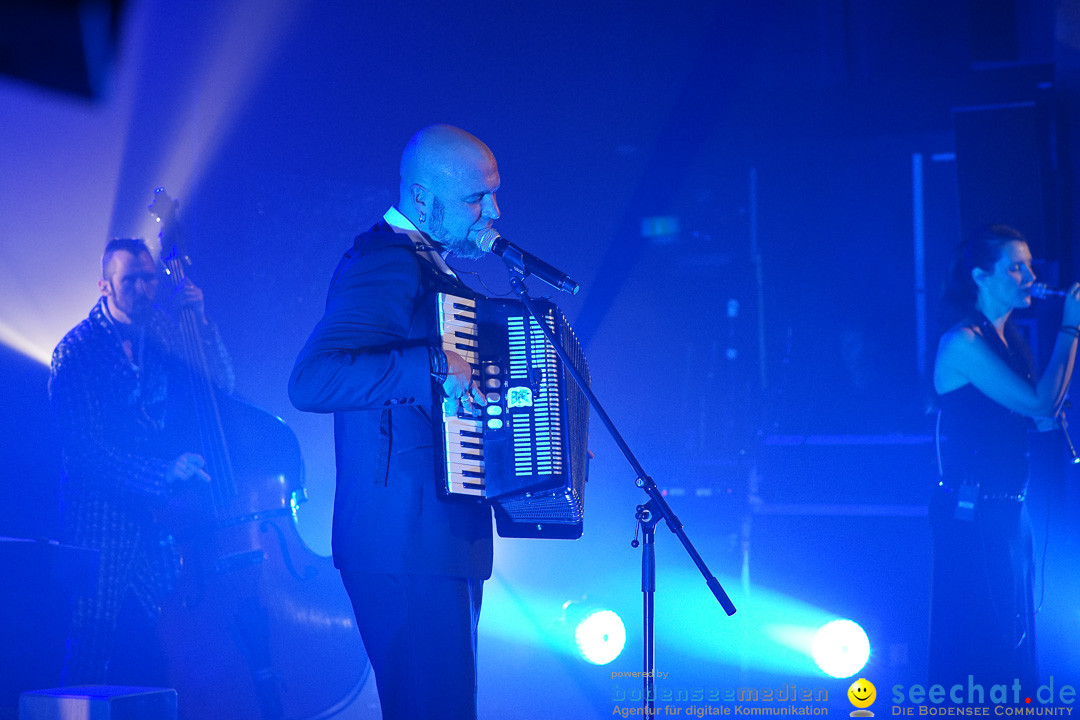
x=841, y=648
x=599, y=635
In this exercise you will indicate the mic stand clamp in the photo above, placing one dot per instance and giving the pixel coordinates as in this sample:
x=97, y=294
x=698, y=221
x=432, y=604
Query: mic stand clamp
x=647, y=515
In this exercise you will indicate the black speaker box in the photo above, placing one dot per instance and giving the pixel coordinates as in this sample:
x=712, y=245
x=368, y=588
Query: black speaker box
x=1006, y=171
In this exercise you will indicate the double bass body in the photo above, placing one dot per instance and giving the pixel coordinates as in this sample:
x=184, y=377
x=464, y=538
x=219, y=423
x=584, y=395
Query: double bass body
x=257, y=623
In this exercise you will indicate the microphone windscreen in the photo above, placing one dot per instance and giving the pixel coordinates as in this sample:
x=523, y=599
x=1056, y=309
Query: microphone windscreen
x=486, y=238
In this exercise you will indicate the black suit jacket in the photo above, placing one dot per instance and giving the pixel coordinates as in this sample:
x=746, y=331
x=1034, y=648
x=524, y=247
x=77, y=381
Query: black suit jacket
x=367, y=362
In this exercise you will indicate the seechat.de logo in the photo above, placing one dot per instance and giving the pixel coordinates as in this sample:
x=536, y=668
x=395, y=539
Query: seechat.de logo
x=862, y=694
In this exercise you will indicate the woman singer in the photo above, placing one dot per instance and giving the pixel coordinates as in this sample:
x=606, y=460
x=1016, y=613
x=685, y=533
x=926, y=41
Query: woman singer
x=982, y=620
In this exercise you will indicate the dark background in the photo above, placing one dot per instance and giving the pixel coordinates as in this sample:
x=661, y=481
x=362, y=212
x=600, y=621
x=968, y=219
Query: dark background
x=758, y=199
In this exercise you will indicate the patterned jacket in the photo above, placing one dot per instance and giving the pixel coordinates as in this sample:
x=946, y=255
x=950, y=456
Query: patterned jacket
x=116, y=420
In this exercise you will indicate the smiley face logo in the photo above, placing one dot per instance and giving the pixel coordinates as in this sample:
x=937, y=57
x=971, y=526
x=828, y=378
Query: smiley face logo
x=862, y=693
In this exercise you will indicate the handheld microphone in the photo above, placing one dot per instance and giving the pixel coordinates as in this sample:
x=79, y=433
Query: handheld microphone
x=489, y=240
x=1042, y=290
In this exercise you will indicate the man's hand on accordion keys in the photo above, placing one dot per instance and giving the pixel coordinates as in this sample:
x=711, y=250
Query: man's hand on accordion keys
x=459, y=386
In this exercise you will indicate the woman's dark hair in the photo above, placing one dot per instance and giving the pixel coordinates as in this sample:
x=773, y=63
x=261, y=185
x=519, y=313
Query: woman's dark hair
x=981, y=250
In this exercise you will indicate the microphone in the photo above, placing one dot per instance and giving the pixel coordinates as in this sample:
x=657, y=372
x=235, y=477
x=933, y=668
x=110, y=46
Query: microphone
x=1042, y=290
x=490, y=240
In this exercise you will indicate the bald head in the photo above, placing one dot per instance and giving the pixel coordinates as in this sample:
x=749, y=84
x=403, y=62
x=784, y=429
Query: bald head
x=439, y=154
x=448, y=183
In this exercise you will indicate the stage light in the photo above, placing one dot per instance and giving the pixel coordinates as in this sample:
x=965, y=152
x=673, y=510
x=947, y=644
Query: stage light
x=600, y=637
x=841, y=648
x=599, y=634
x=15, y=340
x=581, y=628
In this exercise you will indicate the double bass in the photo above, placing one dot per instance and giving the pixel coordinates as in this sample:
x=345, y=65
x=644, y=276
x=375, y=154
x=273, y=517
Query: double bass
x=258, y=626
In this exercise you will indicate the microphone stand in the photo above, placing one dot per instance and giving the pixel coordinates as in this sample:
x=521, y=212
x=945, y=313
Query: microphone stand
x=646, y=515
x=1064, y=425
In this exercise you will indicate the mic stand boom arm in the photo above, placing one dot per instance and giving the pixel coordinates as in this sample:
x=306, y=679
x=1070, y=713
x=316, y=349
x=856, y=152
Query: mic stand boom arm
x=646, y=515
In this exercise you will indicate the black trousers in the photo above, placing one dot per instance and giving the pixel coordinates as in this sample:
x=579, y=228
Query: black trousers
x=420, y=635
x=982, y=613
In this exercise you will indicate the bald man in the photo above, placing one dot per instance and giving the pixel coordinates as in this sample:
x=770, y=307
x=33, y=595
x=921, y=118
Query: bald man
x=412, y=561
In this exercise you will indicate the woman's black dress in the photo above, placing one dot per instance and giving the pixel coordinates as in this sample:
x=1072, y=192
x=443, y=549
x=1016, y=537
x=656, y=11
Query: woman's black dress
x=982, y=620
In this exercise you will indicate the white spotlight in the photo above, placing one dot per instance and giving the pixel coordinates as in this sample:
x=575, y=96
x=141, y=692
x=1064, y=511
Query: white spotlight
x=841, y=648
x=599, y=634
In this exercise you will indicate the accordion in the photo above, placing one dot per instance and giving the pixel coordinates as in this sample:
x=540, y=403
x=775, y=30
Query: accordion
x=525, y=452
